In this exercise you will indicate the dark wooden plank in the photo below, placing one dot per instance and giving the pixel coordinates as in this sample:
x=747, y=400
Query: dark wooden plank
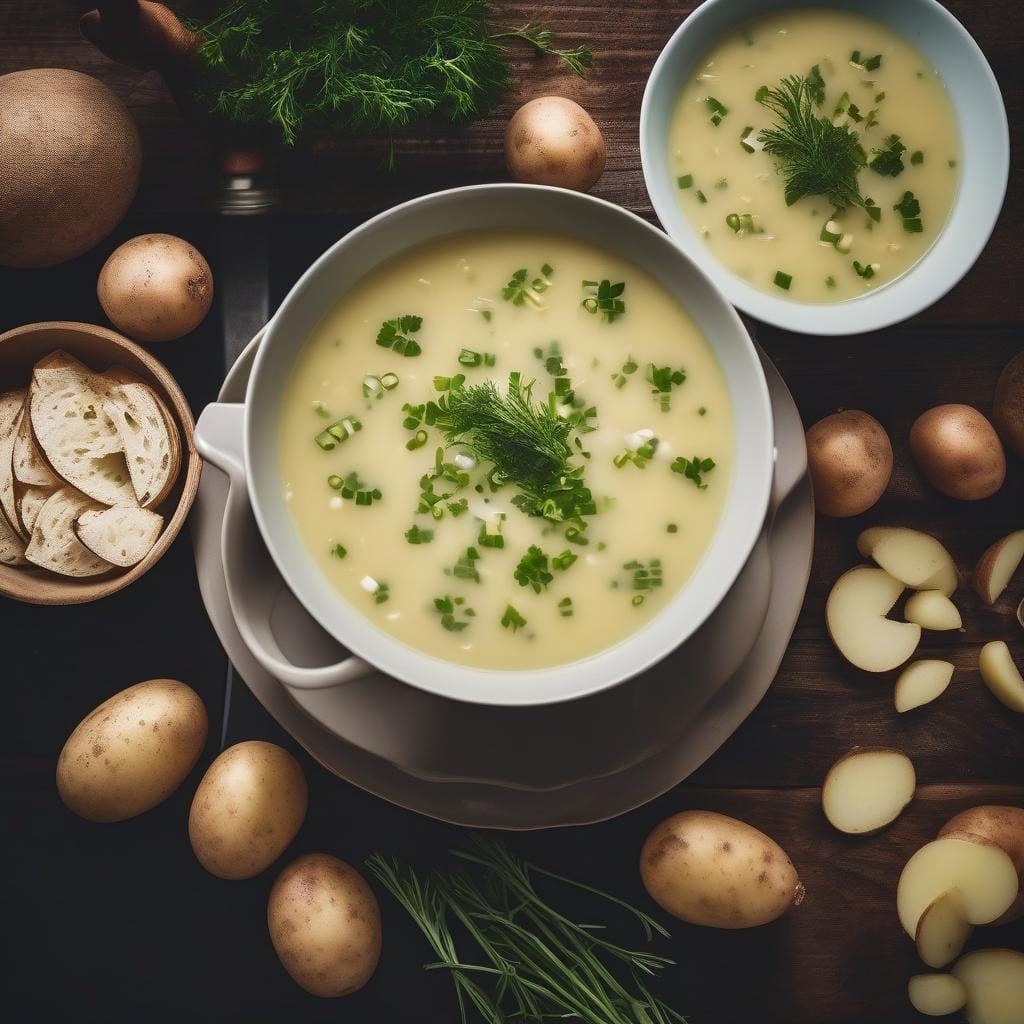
x=343, y=176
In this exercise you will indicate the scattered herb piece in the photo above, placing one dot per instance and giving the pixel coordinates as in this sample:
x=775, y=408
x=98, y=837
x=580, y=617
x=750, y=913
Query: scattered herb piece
x=490, y=535
x=815, y=86
x=321, y=410
x=418, y=440
x=868, y=63
x=353, y=489
x=519, y=291
x=718, y=110
x=512, y=619
x=741, y=224
x=672, y=528
x=394, y=334
x=910, y=210
x=565, y=608
x=917, y=157
x=645, y=577
x=694, y=469
x=450, y=608
x=338, y=551
x=605, y=298
x=662, y=379
x=685, y=181
x=416, y=535
x=701, y=198
x=629, y=367
x=761, y=93
x=888, y=160
x=532, y=570
x=465, y=566
x=329, y=438
x=782, y=280
x=830, y=281
x=564, y=560
x=867, y=271
x=378, y=387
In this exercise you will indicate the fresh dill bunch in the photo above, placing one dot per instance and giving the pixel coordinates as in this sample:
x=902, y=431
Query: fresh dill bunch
x=817, y=158
x=358, y=65
x=526, y=442
x=533, y=962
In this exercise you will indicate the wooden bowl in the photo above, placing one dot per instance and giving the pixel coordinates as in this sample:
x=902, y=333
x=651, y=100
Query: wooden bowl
x=99, y=348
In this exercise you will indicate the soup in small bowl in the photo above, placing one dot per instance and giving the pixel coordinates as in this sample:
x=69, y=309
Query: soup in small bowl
x=506, y=444
x=815, y=157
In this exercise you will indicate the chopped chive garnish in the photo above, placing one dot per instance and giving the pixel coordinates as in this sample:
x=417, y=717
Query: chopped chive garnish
x=910, y=210
x=520, y=291
x=685, y=181
x=743, y=224
x=381, y=594
x=376, y=387
x=486, y=314
x=831, y=232
x=718, y=110
x=450, y=608
x=512, y=619
x=335, y=482
x=694, y=469
x=700, y=196
x=629, y=367
x=490, y=536
x=465, y=566
x=605, y=298
x=662, y=379
x=467, y=357
x=867, y=271
x=564, y=560
x=645, y=577
x=577, y=535
x=565, y=608
x=418, y=440
x=744, y=136
x=394, y=334
x=867, y=63
x=329, y=438
x=532, y=570
x=352, y=488
x=917, y=157
x=321, y=410
x=640, y=456
x=672, y=528
x=415, y=535
x=338, y=551
x=637, y=600
x=782, y=280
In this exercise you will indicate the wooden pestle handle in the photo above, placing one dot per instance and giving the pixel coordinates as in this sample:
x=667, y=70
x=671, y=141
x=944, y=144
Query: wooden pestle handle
x=141, y=34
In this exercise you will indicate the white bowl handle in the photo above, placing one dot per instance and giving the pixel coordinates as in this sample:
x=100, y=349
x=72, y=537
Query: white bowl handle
x=219, y=436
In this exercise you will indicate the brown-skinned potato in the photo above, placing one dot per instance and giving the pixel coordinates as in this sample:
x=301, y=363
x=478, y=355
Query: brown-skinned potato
x=958, y=452
x=850, y=460
x=1008, y=405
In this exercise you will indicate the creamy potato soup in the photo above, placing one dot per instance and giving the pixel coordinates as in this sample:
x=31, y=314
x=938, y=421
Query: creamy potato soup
x=816, y=152
x=508, y=450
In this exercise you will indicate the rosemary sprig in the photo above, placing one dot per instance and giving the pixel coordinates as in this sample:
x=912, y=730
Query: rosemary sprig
x=535, y=963
x=816, y=157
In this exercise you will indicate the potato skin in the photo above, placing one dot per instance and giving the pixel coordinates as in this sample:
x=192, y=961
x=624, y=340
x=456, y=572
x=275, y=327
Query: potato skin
x=155, y=287
x=706, y=868
x=554, y=141
x=850, y=460
x=958, y=451
x=324, y=924
x=1003, y=826
x=133, y=751
x=1008, y=405
x=247, y=809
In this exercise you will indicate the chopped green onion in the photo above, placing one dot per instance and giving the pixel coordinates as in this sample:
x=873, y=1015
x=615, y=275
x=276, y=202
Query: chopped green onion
x=685, y=181
x=565, y=608
x=512, y=619
x=418, y=440
x=700, y=196
x=449, y=383
x=629, y=367
x=830, y=232
x=467, y=357
x=321, y=410
x=718, y=110
x=743, y=224
x=342, y=430
x=564, y=560
x=783, y=280
x=465, y=566
x=449, y=609
x=519, y=291
x=867, y=271
x=638, y=599
x=744, y=135
x=672, y=528
x=693, y=469
x=605, y=298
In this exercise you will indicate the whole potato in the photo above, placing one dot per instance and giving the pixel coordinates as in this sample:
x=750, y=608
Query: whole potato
x=133, y=751
x=1004, y=826
x=958, y=451
x=554, y=141
x=849, y=456
x=325, y=925
x=1008, y=405
x=709, y=869
x=247, y=809
x=155, y=287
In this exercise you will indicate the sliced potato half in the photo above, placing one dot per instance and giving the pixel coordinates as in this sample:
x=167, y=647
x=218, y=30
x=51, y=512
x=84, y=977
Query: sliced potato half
x=931, y=609
x=980, y=870
x=994, y=981
x=936, y=995
x=912, y=557
x=942, y=930
x=867, y=789
x=1001, y=675
x=921, y=682
x=855, y=614
x=996, y=567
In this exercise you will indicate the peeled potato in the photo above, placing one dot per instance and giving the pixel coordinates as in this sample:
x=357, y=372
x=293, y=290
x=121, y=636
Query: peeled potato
x=958, y=451
x=850, y=460
x=921, y=682
x=912, y=557
x=983, y=874
x=855, y=614
x=709, y=869
x=867, y=789
x=931, y=609
x=1001, y=675
x=936, y=994
x=1005, y=827
x=325, y=925
x=247, y=809
x=997, y=565
x=942, y=930
x=994, y=981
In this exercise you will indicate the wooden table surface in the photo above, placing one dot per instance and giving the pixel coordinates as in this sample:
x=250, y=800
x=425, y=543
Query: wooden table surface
x=118, y=923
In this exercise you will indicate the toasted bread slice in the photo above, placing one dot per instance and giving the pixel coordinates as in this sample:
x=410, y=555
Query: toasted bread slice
x=29, y=501
x=75, y=435
x=11, y=414
x=121, y=535
x=148, y=439
x=12, y=547
x=30, y=468
x=54, y=545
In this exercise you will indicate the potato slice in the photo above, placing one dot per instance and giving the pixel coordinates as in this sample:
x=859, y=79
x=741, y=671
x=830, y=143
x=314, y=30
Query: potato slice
x=1005, y=827
x=932, y=610
x=855, y=615
x=867, y=789
x=1001, y=675
x=936, y=994
x=912, y=557
x=981, y=871
x=942, y=930
x=921, y=682
x=996, y=567
x=994, y=980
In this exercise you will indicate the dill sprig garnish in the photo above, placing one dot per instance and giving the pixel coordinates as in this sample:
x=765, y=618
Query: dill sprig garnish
x=533, y=962
x=816, y=157
x=358, y=65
